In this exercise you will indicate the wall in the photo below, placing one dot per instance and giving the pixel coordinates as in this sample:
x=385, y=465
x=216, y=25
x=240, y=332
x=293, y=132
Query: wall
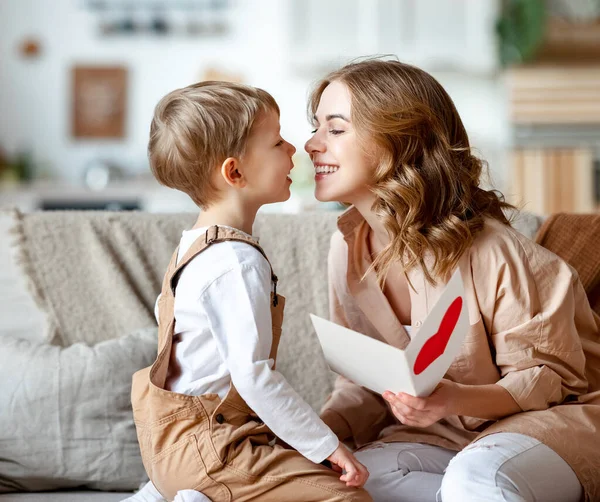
x=35, y=94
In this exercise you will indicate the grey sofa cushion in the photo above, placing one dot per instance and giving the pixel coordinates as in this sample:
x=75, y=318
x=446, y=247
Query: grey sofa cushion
x=19, y=315
x=526, y=223
x=66, y=417
x=65, y=496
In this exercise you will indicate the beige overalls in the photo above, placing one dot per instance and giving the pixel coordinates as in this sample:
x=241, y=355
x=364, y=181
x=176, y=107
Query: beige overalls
x=219, y=447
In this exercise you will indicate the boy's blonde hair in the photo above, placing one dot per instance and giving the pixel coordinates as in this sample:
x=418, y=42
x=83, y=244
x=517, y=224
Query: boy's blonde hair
x=196, y=128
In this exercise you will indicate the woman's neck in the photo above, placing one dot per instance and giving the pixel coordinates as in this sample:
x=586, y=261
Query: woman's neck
x=379, y=237
x=227, y=213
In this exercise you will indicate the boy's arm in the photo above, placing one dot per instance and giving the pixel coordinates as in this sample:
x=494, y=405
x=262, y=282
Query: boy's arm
x=353, y=412
x=237, y=305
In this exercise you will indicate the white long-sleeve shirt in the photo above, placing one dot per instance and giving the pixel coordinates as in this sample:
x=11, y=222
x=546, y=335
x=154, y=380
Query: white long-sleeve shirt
x=223, y=334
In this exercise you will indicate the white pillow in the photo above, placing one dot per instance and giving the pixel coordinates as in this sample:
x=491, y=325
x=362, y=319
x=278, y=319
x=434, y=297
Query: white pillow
x=66, y=418
x=21, y=316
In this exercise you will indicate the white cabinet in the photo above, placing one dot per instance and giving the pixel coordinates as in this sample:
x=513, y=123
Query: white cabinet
x=456, y=35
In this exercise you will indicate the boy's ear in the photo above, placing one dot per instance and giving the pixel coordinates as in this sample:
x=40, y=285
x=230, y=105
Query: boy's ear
x=232, y=173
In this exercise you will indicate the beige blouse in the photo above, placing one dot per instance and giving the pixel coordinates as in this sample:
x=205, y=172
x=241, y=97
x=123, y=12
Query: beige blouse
x=532, y=332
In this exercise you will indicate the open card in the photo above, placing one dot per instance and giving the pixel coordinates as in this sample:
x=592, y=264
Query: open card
x=415, y=370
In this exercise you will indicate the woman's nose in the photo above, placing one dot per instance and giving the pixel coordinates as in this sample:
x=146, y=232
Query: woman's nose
x=313, y=145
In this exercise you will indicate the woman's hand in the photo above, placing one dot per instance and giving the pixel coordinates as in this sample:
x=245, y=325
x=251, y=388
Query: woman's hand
x=423, y=411
x=488, y=402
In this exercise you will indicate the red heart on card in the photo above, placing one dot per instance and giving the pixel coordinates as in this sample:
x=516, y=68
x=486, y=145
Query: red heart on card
x=435, y=346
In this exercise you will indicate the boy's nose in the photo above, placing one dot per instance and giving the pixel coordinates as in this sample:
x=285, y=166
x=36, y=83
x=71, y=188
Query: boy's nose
x=292, y=149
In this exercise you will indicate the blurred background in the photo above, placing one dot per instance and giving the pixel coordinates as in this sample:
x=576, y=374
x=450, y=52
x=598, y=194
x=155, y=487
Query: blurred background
x=79, y=80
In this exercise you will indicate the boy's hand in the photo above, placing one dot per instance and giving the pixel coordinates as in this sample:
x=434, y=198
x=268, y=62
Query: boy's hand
x=354, y=473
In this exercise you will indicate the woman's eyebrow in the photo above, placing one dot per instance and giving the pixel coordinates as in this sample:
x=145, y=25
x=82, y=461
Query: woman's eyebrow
x=333, y=116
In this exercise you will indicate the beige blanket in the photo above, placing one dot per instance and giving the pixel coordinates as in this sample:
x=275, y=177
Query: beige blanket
x=97, y=275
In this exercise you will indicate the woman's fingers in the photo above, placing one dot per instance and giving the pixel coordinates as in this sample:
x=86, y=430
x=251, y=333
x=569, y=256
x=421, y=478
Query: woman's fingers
x=402, y=411
x=408, y=409
x=417, y=403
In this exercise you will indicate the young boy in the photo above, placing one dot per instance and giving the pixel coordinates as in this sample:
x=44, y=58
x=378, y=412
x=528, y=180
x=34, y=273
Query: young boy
x=208, y=410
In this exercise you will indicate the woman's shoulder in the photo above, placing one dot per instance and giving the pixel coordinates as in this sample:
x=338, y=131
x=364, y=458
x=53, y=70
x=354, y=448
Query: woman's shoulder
x=499, y=237
x=499, y=245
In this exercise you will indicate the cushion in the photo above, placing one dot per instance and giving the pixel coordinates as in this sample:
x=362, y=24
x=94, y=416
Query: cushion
x=526, y=223
x=66, y=496
x=66, y=416
x=21, y=316
x=109, y=267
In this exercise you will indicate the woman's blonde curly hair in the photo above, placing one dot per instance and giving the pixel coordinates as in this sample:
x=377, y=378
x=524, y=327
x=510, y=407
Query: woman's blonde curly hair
x=427, y=179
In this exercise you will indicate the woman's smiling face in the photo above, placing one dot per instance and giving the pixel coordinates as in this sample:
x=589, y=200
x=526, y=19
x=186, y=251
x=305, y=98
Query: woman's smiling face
x=343, y=171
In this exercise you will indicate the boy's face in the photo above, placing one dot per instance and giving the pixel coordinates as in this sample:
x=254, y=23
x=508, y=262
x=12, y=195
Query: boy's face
x=267, y=162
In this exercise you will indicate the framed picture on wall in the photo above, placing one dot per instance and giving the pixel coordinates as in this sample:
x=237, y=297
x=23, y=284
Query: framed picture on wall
x=99, y=101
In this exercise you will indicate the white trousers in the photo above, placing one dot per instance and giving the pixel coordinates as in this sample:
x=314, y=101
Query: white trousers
x=500, y=467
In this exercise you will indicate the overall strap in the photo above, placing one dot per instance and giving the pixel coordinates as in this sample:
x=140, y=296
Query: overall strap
x=213, y=235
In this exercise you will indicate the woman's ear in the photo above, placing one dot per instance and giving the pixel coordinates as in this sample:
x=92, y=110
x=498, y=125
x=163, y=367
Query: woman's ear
x=231, y=171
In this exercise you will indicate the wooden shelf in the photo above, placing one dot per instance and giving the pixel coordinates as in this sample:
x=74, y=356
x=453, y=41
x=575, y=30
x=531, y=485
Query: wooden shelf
x=548, y=180
x=554, y=95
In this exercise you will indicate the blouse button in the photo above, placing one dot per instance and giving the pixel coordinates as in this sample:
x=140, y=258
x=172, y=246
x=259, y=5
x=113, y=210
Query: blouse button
x=220, y=418
x=418, y=324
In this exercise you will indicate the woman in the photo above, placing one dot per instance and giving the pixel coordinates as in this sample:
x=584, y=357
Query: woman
x=521, y=402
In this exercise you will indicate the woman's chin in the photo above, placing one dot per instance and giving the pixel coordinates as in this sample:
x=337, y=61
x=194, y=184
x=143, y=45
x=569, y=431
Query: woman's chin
x=323, y=195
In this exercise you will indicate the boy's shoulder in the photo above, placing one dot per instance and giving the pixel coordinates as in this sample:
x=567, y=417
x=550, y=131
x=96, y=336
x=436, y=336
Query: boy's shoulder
x=222, y=257
x=240, y=253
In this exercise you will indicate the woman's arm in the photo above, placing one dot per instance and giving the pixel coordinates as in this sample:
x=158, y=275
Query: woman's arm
x=490, y=402
x=532, y=303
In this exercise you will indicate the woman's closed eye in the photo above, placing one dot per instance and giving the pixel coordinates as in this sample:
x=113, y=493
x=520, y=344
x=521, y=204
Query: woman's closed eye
x=331, y=131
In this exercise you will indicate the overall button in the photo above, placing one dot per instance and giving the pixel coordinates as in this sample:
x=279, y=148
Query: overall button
x=220, y=418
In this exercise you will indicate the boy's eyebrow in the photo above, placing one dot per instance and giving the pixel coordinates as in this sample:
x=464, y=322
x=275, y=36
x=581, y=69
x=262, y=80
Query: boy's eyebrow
x=333, y=116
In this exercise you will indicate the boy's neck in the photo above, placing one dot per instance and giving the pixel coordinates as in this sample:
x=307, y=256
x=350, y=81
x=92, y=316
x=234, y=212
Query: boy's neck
x=228, y=214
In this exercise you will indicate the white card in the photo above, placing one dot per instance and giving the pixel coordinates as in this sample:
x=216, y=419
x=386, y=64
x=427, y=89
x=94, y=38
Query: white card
x=415, y=370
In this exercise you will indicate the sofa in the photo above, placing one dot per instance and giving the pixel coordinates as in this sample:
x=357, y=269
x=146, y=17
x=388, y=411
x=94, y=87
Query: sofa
x=77, y=292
